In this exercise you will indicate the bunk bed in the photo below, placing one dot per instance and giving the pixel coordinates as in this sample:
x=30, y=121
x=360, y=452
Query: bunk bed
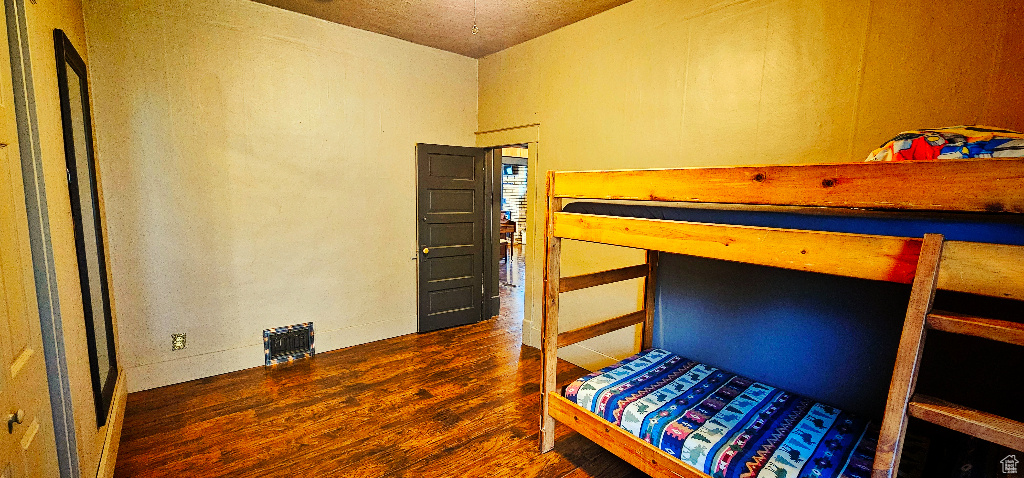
x=607, y=406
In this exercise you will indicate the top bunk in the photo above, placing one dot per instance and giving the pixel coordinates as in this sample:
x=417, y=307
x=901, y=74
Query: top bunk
x=969, y=185
x=993, y=188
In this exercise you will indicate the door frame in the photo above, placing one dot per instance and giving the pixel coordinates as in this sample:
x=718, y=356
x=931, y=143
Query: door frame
x=528, y=134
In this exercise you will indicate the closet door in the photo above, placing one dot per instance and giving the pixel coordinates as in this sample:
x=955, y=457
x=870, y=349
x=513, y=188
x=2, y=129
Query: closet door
x=27, y=447
x=451, y=220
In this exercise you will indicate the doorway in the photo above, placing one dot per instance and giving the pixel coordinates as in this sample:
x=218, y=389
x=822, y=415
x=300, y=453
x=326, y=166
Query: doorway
x=514, y=177
x=513, y=235
x=519, y=304
x=472, y=230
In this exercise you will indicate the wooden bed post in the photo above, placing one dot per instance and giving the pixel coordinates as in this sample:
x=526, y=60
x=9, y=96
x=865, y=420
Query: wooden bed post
x=908, y=359
x=549, y=320
x=650, y=284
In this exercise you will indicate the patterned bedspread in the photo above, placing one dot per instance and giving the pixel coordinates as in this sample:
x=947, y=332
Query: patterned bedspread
x=955, y=142
x=724, y=424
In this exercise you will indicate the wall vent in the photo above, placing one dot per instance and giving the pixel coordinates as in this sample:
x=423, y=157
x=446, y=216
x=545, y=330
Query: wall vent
x=288, y=343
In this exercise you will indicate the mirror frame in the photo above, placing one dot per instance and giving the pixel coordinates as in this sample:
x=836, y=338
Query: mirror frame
x=67, y=56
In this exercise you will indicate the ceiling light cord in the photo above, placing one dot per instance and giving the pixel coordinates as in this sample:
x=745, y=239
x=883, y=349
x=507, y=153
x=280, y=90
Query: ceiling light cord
x=475, y=29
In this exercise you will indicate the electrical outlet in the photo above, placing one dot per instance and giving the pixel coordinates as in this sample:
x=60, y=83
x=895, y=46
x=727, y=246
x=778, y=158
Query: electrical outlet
x=177, y=341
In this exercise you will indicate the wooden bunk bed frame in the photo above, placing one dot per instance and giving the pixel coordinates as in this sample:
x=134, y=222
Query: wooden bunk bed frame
x=987, y=185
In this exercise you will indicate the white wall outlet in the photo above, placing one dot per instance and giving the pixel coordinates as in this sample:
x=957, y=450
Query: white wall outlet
x=177, y=341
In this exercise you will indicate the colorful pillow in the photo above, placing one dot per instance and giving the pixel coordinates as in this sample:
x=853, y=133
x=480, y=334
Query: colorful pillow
x=955, y=142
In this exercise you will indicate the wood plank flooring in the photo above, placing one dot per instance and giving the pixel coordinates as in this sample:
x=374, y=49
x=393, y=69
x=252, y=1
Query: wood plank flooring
x=456, y=402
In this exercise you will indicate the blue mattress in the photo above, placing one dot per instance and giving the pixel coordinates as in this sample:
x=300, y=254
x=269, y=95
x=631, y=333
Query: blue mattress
x=724, y=424
x=995, y=228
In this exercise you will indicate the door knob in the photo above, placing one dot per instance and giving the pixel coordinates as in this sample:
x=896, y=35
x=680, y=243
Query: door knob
x=13, y=418
x=426, y=250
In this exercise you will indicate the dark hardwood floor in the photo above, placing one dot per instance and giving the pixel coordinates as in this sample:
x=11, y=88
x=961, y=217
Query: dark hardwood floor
x=456, y=402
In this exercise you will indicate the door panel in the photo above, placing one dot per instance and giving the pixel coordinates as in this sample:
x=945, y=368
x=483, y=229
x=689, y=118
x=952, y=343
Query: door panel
x=453, y=166
x=447, y=268
x=451, y=236
x=451, y=218
x=451, y=299
x=445, y=200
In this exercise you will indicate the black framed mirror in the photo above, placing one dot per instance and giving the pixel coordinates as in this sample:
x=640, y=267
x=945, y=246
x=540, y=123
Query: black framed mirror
x=85, y=213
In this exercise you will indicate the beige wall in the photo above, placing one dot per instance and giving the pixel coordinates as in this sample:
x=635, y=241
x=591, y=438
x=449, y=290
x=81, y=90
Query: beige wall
x=665, y=83
x=42, y=18
x=259, y=171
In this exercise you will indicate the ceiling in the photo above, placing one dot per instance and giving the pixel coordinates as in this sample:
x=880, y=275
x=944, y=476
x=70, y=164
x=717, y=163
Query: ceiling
x=448, y=24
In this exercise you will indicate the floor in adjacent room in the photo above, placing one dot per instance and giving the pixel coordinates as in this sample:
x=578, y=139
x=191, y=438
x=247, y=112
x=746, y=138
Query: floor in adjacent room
x=456, y=402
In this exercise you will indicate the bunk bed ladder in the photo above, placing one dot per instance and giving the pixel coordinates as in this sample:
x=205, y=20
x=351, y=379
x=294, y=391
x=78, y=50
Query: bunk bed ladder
x=903, y=402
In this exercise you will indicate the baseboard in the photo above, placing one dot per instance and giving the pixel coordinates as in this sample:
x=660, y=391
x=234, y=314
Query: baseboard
x=115, y=419
x=159, y=374
x=531, y=337
x=193, y=367
x=364, y=333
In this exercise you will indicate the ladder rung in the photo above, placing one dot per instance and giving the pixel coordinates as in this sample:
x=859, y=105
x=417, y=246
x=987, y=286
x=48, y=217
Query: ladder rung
x=992, y=329
x=976, y=423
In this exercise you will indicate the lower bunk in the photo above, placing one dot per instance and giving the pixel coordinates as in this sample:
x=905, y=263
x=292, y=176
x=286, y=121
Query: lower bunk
x=712, y=422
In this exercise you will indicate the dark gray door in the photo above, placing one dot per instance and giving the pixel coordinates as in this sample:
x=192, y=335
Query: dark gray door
x=451, y=216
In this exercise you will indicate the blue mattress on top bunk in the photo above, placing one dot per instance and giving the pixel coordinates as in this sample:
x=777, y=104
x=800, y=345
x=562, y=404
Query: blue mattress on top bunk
x=724, y=424
x=975, y=227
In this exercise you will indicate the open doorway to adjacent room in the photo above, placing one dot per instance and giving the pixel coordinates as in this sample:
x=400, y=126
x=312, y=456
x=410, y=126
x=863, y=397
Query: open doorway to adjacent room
x=513, y=235
x=512, y=228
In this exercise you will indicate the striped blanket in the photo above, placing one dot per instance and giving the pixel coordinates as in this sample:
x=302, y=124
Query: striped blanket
x=723, y=424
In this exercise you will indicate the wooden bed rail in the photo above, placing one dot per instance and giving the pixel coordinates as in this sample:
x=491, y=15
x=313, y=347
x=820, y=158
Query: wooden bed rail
x=601, y=328
x=643, y=316
x=981, y=185
x=977, y=268
x=648, y=458
x=571, y=283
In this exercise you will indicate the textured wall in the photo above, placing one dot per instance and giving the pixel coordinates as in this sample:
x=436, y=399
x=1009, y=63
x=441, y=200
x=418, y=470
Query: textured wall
x=664, y=83
x=259, y=171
